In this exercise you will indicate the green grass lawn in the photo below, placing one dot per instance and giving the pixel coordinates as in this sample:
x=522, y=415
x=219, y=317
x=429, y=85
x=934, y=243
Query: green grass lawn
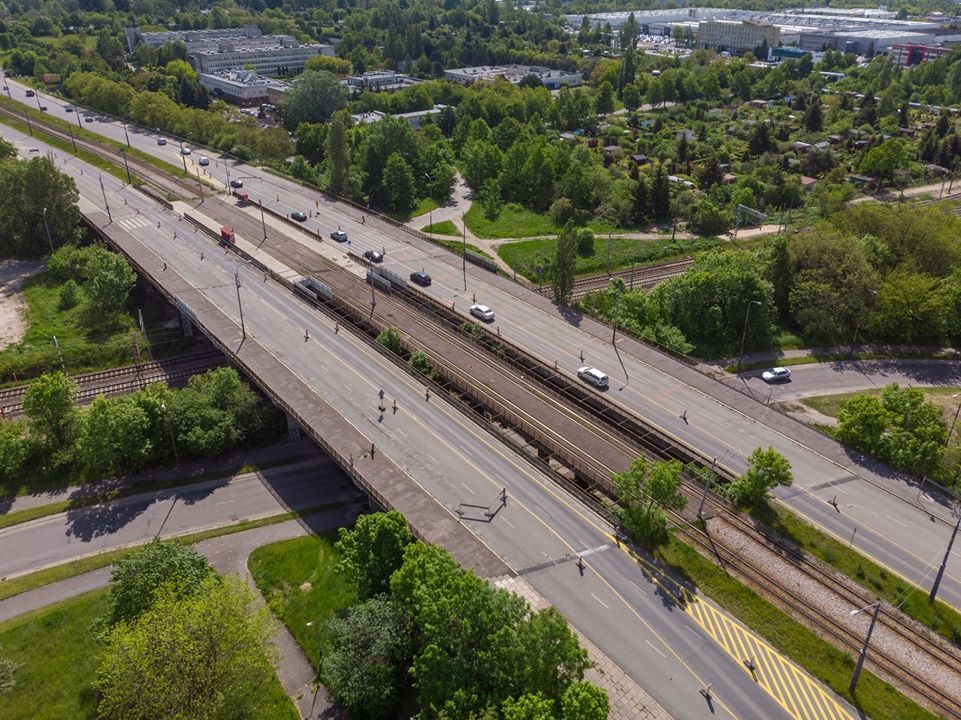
x=442, y=228
x=58, y=652
x=527, y=255
x=85, y=346
x=424, y=206
x=876, y=698
x=298, y=580
x=513, y=221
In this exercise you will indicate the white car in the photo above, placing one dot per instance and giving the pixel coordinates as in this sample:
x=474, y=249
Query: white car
x=185, y=150
x=593, y=376
x=483, y=312
x=778, y=374
x=203, y=160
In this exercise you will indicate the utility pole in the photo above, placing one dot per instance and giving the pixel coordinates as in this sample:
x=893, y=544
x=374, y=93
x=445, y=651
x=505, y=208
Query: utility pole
x=864, y=648
x=126, y=166
x=47, y=228
x=740, y=355
x=707, y=484
x=608, y=252
x=243, y=328
x=944, y=563
x=105, y=204
x=72, y=140
x=63, y=365
x=464, y=221
x=125, y=133
x=200, y=183
x=262, y=220
x=617, y=311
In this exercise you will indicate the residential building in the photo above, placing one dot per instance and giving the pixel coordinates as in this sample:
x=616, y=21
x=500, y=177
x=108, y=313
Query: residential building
x=241, y=87
x=737, y=36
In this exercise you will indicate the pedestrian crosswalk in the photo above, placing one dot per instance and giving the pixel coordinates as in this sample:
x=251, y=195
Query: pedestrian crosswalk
x=792, y=688
x=133, y=222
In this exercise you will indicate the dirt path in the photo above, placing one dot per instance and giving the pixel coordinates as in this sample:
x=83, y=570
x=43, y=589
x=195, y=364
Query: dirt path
x=13, y=275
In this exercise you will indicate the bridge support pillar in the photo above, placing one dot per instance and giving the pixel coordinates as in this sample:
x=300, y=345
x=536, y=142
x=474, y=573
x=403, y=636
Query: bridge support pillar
x=293, y=430
x=186, y=326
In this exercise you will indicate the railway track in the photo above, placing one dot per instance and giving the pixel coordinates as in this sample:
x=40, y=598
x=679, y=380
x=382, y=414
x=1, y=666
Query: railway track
x=622, y=442
x=120, y=381
x=641, y=277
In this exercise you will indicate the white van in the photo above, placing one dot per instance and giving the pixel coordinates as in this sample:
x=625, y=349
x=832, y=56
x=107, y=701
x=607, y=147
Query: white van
x=593, y=376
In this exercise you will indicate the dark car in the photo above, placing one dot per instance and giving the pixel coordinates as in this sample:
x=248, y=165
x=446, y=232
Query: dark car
x=236, y=183
x=43, y=108
x=88, y=119
x=69, y=108
x=420, y=278
x=297, y=215
x=373, y=256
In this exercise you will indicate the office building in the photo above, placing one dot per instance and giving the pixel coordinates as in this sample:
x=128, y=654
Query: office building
x=241, y=87
x=737, y=36
x=287, y=59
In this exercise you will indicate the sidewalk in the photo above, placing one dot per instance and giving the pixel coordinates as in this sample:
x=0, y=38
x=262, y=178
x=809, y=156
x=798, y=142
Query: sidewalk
x=180, y=473
x=227, y=554
x=716, y=366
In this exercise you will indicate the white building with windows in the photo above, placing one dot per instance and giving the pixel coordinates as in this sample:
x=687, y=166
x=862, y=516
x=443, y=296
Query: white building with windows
x=736, y=36
x=286, y=59
x=241, y=87
x=551, y=79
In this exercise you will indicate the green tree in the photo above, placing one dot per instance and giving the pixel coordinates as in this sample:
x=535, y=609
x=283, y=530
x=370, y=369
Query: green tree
x=368, y=655
x=398, y=184
x=584, y=701
x=50, y=405
x=645, y=491
x=766, y=470
x=660, y=195
x=883, y=160
x=813, y=117
x=187, y=656
x=780, y=273
x=13, y=450
x=910, y=308
x=604, y=103
x=390, y=338
x=138, y=578
x=489, y=198
x=115, y=436
x=338, y=153
x=313, y=97
x=373, y=550
x=26, y=188
x=565, y=260
x=530, y=706
x=708, y=219
x=109, y=280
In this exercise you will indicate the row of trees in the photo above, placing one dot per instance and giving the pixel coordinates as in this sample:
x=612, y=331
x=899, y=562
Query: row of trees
x=427, y=631
x=213, y=413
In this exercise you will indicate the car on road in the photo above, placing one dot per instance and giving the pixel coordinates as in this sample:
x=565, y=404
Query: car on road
x=593, y=376
x=339, y=236
x=298, y=215
x=185, y=150
x=236, y=183
x=420, y=278
x=43, y=108
x=203, y=160
x=483, y=312
x=30, y=93
x=69, y=108
x=778, y=374
x=161, y=141
x=88, y=119
x=373, y=255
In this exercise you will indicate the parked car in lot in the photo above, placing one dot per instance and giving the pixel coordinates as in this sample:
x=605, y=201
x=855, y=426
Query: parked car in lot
x=593, y=376
x=778, y=374
x=236, y=183
x=420, y=278
x=161, y=141
x=298, y=215
x=483, y=312
x=339, y=236
x=203, y=160
x=373, y=255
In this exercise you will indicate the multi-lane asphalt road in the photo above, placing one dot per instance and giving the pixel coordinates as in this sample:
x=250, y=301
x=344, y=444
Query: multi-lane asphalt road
x=895, y=532
x=539, y=532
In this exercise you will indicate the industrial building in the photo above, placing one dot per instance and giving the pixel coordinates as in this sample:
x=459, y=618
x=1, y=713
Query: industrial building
x=379, y=81
x=241, y=87
x=551, y=79
x=907, y=55
x=737, y=36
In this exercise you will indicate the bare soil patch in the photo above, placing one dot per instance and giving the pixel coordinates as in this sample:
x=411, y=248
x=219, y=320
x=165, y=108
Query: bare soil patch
x=13, y=275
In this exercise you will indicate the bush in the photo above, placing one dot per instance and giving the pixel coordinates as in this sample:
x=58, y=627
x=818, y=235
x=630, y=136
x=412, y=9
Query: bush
x=585, y=242
x=420, y=363
x=561, y=211
x=69, y=295
x=390, y=338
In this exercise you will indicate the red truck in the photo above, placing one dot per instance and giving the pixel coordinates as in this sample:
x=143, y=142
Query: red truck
x=227, y=235
x=242, y=196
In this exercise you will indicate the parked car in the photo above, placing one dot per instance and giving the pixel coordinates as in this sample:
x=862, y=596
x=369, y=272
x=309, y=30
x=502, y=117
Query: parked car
x=161, y=141
x=420, y=278
x=593, y=376
x=88, y=119
x=236, y=183
x=298, y=215
x=778, y=374
x=185, y=150
x=483, y=312
x=339, y=236
x=373, y=255
x=203, y=160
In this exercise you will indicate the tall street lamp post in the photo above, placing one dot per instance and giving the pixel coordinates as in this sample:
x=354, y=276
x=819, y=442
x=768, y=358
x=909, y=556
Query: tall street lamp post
x=47, y=228
x=740, y=355
x=867, y=639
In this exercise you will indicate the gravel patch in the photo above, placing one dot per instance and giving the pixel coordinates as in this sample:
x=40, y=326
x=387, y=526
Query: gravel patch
x=13, y=275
